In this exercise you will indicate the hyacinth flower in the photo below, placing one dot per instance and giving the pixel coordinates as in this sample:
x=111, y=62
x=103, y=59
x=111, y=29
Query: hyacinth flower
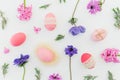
x=25, y=12
x=20, y=62
x=75, y=30
x=95, y=6
x=70, y=51
x=111, y=55
x=55, y=77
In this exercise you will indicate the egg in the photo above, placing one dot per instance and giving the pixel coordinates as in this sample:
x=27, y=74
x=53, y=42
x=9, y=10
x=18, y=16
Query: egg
x=88, y=60
x=99, y=34
x=50, y=22
x=46, y=55
x=18, y=39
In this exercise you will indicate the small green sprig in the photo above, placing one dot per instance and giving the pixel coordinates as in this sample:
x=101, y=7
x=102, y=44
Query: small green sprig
x=117, y=17
x=110, y=76
x=37, y=74
x=5, y=67
x=4, y=20
x=90, y=77
x=62, y=1
x=59, y=37
x=44, y=6
x=73, y=21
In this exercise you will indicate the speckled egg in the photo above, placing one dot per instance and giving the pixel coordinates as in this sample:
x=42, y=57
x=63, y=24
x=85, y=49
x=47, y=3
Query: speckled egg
x=46, y=55
x=50, y=21
x=99, y=34
x=88, y=60
x=18, y=39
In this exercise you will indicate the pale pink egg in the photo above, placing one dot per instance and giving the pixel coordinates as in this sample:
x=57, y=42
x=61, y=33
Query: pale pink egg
x=88, y=60
x=99, y=34
x=50, y=21
x=18, y=39
x=45, y=55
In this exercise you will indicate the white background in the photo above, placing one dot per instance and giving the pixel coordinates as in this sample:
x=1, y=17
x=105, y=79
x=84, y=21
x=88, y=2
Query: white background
x=84, y=43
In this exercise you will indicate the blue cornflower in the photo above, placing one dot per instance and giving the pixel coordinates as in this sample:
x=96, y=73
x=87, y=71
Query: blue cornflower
x=22, y=60
x=70, y=50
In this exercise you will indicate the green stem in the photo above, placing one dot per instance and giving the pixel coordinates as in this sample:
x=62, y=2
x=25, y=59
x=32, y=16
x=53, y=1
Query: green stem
x=24, y=3
x=70, y=68
x=118, y=55
x=102, y=1
x=75, y=8
x=23, y=73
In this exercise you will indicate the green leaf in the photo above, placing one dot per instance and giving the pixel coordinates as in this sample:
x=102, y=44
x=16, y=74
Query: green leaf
x=73, y=21
x=4, y=20
x=45, y=6
x=90, y=77
x=5, y=69
x=59, y=37
x=62, y=1
x=117, y=17
x=110, y=76
x=37, y=74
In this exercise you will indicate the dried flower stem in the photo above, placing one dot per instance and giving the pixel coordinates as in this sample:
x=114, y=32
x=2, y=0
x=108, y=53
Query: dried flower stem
x=70, y=68
x=24, y=73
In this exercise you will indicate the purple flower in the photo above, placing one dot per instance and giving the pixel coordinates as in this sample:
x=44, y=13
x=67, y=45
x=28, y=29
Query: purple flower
x=82, y=29
x=22, y=60
x=110, y=55
x=55, y=77
x=74, y=31
x=94, y=6
x=70, y=50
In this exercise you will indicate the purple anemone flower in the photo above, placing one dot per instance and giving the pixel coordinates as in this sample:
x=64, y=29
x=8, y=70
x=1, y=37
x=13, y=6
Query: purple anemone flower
x=22, y=60
x=70, y=50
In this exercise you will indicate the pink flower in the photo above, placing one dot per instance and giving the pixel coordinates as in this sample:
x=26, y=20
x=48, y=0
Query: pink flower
x=25, y=13
x=110, y=55
x=55, y=77
x=94, y=6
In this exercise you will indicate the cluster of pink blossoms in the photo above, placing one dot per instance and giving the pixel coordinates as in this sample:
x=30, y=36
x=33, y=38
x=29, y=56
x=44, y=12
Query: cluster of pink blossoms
x=25, y=13
x=110, y=55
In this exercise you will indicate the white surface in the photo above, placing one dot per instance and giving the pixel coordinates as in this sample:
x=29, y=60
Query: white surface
x=63, y=12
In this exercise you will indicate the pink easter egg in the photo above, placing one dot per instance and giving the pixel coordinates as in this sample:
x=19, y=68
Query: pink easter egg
x=50, y=22
x=88, y=60
x=18, y=39
x=45, y=55
x=99, y=34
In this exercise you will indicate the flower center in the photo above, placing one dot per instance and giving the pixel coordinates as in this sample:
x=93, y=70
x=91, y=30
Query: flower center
x=71, y=49
x=108, y=54
x=91, y=7
x=55, y=77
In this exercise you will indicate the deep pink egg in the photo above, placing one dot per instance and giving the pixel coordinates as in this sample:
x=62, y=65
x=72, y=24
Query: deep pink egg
x=18, y=39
